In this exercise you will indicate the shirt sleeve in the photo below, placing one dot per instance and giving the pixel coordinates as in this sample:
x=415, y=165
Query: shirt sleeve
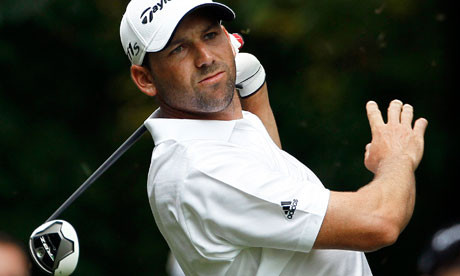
x=233, y=197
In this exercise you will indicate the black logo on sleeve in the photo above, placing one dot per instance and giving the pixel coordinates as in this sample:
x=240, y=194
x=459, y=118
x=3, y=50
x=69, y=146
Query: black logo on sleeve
x=289, y=208
x=147, y=14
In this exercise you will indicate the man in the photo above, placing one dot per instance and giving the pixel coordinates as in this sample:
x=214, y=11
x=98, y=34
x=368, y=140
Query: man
x=224, y=195
x=442, y=257
x=13, y=259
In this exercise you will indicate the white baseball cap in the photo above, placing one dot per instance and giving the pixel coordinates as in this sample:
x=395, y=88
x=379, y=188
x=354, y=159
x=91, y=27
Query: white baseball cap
x=148, y=25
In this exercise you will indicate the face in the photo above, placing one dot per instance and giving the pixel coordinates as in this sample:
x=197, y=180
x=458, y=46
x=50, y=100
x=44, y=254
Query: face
x=12, y=261
x=195, y=74
x=452, y=271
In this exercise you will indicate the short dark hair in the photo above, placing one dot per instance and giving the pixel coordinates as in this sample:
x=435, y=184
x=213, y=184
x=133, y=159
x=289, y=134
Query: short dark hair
x=146, y=61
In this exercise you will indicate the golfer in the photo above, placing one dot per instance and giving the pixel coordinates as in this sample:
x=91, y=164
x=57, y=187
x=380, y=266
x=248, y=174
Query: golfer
x=14, y=260
x=227, y=199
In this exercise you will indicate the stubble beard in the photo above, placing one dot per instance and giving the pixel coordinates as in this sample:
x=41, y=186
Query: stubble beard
x=201, y=101
x=209, y=103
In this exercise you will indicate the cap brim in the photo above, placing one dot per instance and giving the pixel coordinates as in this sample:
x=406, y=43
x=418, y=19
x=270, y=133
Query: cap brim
x=222, y=11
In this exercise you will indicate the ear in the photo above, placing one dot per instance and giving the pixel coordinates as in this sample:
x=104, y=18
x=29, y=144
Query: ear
x=228, y=38
x=143, y=79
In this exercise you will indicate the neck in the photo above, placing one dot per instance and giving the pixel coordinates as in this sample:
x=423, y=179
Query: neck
x=232, y=112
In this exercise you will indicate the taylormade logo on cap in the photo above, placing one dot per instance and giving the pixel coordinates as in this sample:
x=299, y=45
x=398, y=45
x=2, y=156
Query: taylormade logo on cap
x=147, y=15
x=148, y=25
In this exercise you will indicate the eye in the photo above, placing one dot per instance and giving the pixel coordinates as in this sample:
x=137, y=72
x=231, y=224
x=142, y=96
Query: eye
x=177, y=50
x=211, y=35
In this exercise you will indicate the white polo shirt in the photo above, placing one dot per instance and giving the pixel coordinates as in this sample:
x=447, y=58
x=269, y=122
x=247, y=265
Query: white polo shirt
x=228, y=201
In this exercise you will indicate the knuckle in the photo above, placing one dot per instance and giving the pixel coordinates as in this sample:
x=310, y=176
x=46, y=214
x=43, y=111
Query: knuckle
x=372, y=112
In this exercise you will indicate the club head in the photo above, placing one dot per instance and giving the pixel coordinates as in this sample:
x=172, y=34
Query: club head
x=54, y=247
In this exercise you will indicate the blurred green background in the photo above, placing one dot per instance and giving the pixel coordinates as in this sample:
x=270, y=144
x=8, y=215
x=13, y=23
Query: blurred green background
x=67, y=102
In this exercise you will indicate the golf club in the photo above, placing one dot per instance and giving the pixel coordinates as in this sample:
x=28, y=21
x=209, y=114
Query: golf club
x=54, y=245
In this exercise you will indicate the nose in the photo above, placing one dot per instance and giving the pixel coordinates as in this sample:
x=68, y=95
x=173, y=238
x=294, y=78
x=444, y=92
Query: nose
x=203, y=56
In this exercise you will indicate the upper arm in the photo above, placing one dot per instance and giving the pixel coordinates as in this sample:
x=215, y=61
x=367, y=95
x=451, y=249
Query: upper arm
x=353, y=221
x=246, y=202
x=259, y=104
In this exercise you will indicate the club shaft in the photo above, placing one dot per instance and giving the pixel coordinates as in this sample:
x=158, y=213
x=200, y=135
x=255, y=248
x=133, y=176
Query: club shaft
x=109, y=162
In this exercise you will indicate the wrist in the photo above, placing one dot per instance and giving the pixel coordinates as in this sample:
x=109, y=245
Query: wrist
x=250, y=74
x=396, y=162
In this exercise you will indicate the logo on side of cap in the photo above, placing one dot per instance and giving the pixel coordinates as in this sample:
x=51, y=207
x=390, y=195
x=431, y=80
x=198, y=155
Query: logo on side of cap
x=132, y=50
x=147, y=14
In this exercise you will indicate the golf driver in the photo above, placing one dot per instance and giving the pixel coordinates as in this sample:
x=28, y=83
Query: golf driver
x=54, y=245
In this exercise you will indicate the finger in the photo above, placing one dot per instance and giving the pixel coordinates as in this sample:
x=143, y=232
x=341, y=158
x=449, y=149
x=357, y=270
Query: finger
x=238, y=38
x=420, y=126
x=374, y=115
x=407, y=115
x=394, y=112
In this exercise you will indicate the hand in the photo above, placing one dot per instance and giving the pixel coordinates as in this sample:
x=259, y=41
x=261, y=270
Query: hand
x=396, y=138
x=250, y=74
x=237, y=42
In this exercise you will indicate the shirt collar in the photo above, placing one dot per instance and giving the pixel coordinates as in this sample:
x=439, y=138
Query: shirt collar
x=163, y=129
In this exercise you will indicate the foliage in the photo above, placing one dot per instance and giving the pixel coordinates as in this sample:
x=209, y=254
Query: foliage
x=67, y=101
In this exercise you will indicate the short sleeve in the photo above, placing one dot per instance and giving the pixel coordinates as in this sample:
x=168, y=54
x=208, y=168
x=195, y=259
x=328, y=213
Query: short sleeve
x=232, y=197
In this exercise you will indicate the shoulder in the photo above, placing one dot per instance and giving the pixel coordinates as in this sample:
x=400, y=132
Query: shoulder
x=213, y=158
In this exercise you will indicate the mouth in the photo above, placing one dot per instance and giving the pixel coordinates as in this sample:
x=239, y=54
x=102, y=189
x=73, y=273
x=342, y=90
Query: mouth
x=214, y=78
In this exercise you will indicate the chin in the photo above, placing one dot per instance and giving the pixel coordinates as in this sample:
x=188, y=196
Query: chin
x=214, y=105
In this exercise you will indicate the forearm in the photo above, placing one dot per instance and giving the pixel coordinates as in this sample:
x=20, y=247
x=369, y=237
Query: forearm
x=252, y=88
x=259, y=104
x=373, y=216
x=391, y=195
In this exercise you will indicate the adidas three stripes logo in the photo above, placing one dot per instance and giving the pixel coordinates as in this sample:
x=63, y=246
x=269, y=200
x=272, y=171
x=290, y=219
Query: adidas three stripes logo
x=289, y=208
